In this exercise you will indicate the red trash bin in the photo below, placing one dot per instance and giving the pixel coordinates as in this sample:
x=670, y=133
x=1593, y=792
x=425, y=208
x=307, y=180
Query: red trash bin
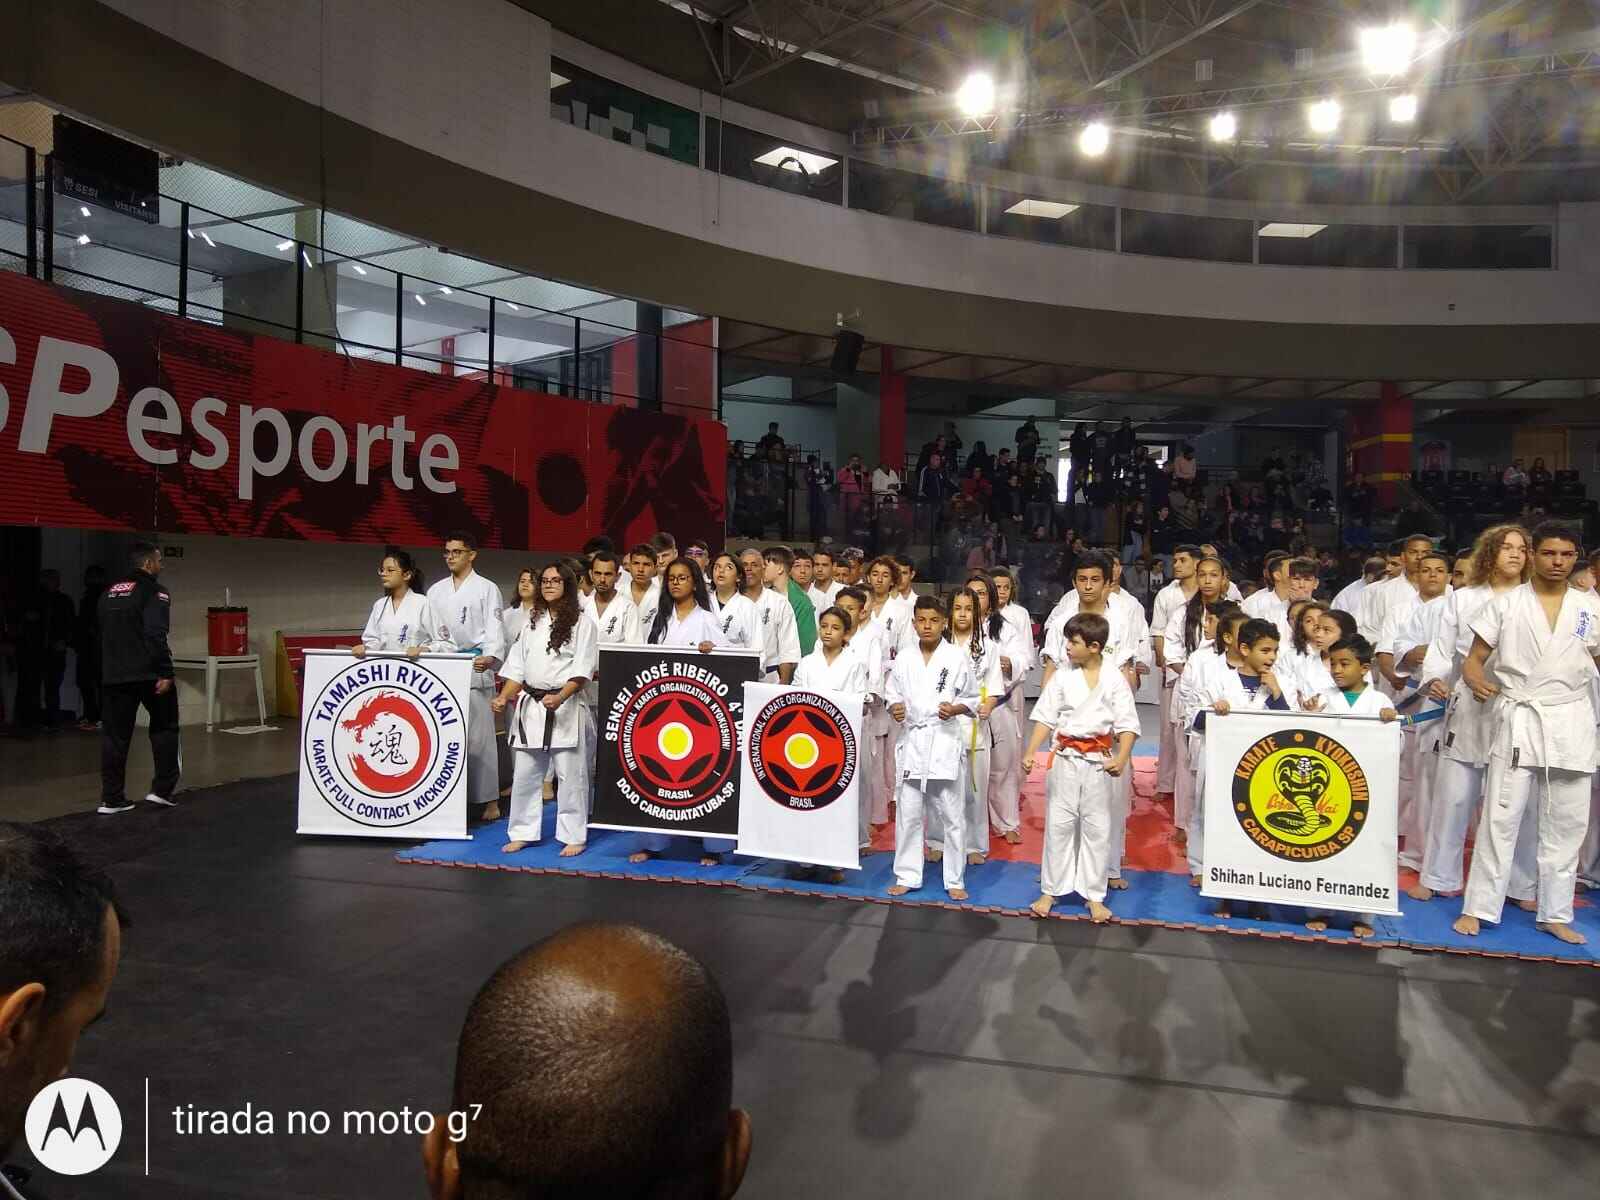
x=227, y=631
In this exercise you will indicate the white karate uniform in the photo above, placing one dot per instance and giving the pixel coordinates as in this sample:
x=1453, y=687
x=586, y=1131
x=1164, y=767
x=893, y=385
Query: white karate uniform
x=1079, y=795
x=1020, y=622
x=699, y=626
x=618, y=625
x=1301, y=673
x=848, y=673
x=780, y=637
x=1169, y=600
x=514, y=620
x=1215, y=680
x=467, y=619
x=1179, y=655
x=1266, y=605
x=1543, y=745
x=980, y=753
x=646, y=604
x=739, y=621
x=1005, y=731
x=391, y=628
x=1349, y=598
x=1407, y=627
x=878, y=781
x=822, y=598
x=930, y=757
x=1376, y=602
x=542, y=741
x=1370, y=703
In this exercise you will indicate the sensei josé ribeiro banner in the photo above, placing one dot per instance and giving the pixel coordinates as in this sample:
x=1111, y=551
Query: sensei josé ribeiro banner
x=669, y=739
x=383, y=745
x=1302, y=809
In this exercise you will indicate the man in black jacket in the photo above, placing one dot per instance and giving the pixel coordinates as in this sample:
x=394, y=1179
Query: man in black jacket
x=134, y=616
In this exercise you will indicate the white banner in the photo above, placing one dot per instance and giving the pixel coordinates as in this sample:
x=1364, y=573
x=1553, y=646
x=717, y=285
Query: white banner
x=799, y=776
x=1302, y=809
x=383, y=745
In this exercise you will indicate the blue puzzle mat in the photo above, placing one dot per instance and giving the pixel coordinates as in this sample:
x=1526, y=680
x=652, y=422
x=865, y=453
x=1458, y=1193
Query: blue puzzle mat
x=1152, y=897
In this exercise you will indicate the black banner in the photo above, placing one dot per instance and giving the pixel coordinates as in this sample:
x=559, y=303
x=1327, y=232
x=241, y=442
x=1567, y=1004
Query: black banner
x=669, y=739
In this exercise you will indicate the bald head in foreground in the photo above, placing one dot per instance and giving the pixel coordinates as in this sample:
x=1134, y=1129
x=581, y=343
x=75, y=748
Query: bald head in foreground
x=603, y=1059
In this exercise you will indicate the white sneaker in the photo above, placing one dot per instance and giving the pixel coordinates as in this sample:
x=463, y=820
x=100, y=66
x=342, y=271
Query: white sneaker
x=108, y=810
x=152, y=798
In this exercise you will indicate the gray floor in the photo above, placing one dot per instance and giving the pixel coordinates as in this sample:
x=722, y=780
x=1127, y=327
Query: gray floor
x=880, y=1049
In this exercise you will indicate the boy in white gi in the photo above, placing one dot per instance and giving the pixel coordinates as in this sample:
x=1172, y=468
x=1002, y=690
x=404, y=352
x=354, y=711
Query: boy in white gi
x=400, y=620
x=643, y=589
x=1543, y=638
x=1088, y=714
x=930, y=689
x=466, y=610
x=862, y=639
x=545, y=672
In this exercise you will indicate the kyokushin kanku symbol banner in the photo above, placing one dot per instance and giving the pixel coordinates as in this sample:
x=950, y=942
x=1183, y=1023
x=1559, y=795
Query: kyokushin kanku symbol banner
x=1302, y=809
x=669, y=739
x=383, y=745
x=801, y=772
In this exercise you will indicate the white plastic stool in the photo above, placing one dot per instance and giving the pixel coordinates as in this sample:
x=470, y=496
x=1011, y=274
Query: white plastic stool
x=211, y=664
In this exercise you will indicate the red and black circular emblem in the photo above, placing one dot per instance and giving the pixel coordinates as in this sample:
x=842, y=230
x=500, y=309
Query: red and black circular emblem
x=802, y=751
x=679, y=743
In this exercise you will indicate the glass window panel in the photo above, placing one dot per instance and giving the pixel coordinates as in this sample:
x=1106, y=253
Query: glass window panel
x=913, y=197
x=350, y=307
x=1479, y=247
x=1331, y=246
x=128, y=255
x=530, y=346
x=446, y=329
x=14, y=185
x=1178, y=235
x=620, y=114
x=1035, y=219
x=243, y=275
x=788, y=167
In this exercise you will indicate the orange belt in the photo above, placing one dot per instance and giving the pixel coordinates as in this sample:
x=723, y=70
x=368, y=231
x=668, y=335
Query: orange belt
x=1086, y=746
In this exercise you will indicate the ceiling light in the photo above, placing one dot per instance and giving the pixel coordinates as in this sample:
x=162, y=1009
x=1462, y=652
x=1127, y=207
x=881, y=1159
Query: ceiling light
x=1388, y=50
x=444, y=291
x=1094, y=139
x=557, y=80
x=1290, y=229
x=83, y=239
x=191, y=235
x=790, y=159
x=306, y=256
x=975, y=96
x=206, y=237
x=418, y=298
x=1324, y=116
x=1224, y=126
x=1052, y=209
x=285, y=244
x=1403, y=109
x=512, y=306
x=84, y=209
x=358, y=268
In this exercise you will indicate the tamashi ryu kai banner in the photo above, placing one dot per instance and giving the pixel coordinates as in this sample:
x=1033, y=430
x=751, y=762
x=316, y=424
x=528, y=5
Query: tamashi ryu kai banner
x=1301, y=809
x=669, y=739
x=383, y=745
x=797, y=795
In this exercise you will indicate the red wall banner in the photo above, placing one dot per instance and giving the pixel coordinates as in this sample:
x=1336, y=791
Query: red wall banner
x=116, y=417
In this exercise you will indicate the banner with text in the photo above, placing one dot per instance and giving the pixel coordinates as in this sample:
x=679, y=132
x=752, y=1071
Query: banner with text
x=383, y=745
x=114, y=416
x=669, y=739
x=798, y=786
x=1302, y=809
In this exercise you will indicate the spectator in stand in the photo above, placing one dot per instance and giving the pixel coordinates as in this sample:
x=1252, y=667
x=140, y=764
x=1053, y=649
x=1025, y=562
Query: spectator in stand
x=1133, y=531
x=977, y=489
x=932, y=485
x=885, y=481
x=1078, y=447
x=1161, y=533
x=1184, y=467
x=1041, y=497
x=952, y=444
x=772, y=446
x=853, y=477
x=1004, y=501
x=981, y=557
x=1157, y=483
x=1123, y=443
x=929, y=449
x=1185, y=510
x=980, y=459
x=1538, y=474
x=1515, y=476
x=1027, y=441
x=819, y=479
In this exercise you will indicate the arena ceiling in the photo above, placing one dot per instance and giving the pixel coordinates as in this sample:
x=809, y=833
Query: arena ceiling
x=1508, y=91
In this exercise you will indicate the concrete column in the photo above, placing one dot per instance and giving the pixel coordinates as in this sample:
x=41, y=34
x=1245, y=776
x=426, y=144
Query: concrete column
x=1380, y=442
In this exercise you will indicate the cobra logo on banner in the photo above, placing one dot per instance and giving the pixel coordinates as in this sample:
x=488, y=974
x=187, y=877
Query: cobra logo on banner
x=385, y=742
x=669, y=750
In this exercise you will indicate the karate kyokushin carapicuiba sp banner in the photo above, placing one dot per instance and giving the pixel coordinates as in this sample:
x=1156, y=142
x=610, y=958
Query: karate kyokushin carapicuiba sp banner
x=669, y=739
x=1302, y=809
x=383, y=745
x=797, y=799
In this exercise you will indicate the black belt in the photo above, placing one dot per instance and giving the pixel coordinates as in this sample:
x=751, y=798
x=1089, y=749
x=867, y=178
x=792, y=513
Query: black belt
x=549, y=717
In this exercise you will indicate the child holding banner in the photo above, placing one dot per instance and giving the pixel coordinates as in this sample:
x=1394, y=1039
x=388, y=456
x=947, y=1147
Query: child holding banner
x=835, y=666
x=1085, y=711
x=861, y=636
x=930, y=688
x=968, y=635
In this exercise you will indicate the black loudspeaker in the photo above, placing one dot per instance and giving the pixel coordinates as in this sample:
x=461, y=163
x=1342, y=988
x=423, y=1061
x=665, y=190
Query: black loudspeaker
x=847, y=345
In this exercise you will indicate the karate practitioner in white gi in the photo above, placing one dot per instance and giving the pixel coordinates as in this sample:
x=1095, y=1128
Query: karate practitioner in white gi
x=1018, y=654
x=930, y=688
x=835, y=665
x=824, y=587
x=1184, y=637
x=774, y=621
x=735, y=613
x=545, y=673
x=1542, y=638
x=969, y=634
x=617, y=624
x=400, y=618
x=684, y=618
x=1500, y=563
x=643, y=588
x=1349, y=598
x=515, y=618
x=1377, y=600
x=1169, y=600
x=883, y=620
x=1087, y=713
x=466, y=610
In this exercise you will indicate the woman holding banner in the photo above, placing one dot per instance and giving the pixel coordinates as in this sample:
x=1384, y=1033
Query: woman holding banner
x=400, y=620
x=544, y=672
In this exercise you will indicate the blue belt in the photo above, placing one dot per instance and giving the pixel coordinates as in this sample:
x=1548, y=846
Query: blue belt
x=1432, y=714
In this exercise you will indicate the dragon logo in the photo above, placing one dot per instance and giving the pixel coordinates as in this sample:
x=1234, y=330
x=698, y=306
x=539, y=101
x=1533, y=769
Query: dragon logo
x=1300, y=795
